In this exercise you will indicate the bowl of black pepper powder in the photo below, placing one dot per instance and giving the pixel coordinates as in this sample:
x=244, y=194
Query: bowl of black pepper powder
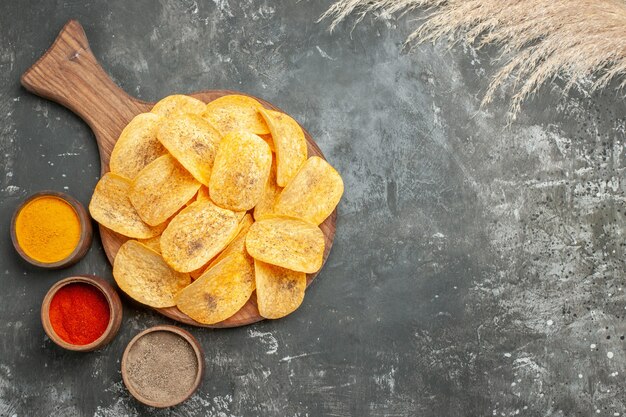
x=162, y=366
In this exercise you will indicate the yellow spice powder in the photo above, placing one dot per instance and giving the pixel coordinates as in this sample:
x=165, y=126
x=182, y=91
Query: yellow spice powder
x=48, y=229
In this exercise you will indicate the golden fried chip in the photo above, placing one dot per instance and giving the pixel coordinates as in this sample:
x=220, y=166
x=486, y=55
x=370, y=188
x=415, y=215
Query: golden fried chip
x=242, y=166
x=153, y=243
x=236, y=112
x=220, y=292
x=265, y=207
x=238, y=245
x=178, y=104
x=197, y=234
x=270, y=142
x=169, y=219
x=312, y=194
x=291, y=243
x=279, y=291
x=161, y=188
x=193, y=142
x=111, y=207
x=197, y=273
x=203, y=193
x=137, y=146
x=289, y=142
x=143, y=274
x=235, y=245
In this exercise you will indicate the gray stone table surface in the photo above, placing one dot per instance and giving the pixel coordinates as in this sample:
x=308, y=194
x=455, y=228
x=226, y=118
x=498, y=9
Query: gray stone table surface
x=478, y=267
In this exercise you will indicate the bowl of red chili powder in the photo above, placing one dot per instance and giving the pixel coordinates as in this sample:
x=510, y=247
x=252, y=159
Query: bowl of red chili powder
x=81, y=313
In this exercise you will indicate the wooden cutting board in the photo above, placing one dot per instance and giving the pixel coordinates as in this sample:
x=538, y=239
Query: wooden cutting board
x=69, y=74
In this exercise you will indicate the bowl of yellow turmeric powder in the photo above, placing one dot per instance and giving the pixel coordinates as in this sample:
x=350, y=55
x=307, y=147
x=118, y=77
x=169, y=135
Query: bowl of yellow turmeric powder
x=51, y=230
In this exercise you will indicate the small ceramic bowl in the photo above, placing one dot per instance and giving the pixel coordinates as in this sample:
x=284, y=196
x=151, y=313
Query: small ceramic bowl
x=86, y=232
x=195, y=345
x=115, y=311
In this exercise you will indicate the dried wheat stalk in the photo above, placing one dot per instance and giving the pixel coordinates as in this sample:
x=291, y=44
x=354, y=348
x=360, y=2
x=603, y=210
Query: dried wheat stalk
x=539, y=39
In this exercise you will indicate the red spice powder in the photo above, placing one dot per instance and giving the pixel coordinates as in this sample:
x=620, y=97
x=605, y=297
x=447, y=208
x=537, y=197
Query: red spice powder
x=79, y=313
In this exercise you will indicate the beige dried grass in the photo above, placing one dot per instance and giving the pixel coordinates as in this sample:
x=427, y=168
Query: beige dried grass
x=540, y=40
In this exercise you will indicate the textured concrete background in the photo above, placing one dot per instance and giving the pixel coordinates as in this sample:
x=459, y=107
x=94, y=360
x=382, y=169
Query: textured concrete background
x=478, y=269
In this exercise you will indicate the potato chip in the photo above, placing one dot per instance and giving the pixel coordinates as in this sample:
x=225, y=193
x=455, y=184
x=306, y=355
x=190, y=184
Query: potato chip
x=242, y=166
x=143, y=274
x=235, y=113
x=291, y=243
x=238, y=245
x=153, y=243
x=169, y=219
x=178, y=104
x=220, y=292
x=270, y=142
x=111, y=207
x=203, y=193
x=197, y=234
x=161, y=188
x=279, y=291
x=265, y=207
x=193, y=142
x=137, y=146
x=289, y=143
x=235, y=245
x=312, y=194
x=197, y=273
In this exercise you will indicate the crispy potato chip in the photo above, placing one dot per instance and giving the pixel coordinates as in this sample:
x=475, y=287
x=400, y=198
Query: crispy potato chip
x=279, y=291
x=169, y=219
x=193, y=142
x=111, y=207
x=203, y=193
x=197, y=234
x=238, y=245
x=137, y=146
x=270, y=142
x=291, y=243
x=220, y=292
x=312, y=194
x=234, y=113
x=241, y=168
x=289, y=143
x=235, y=245
x=197, y=273
x=143, y=274
x=178, y=104
x=161, y=188
x=265, y=207
x=153, y=243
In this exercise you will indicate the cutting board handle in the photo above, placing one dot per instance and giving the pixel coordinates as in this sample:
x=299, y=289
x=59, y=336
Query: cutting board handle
x=69, y=74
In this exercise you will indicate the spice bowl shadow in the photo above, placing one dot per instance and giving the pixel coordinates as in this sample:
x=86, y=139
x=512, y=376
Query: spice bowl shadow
x=114, y=307
x=84, y=240
x=156, y=348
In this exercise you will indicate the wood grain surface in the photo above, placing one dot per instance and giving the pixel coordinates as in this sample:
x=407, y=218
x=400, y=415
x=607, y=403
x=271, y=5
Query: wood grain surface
x=69, y=74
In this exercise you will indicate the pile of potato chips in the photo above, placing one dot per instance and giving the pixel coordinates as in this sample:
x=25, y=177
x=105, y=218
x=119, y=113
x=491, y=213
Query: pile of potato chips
x=219, y=200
